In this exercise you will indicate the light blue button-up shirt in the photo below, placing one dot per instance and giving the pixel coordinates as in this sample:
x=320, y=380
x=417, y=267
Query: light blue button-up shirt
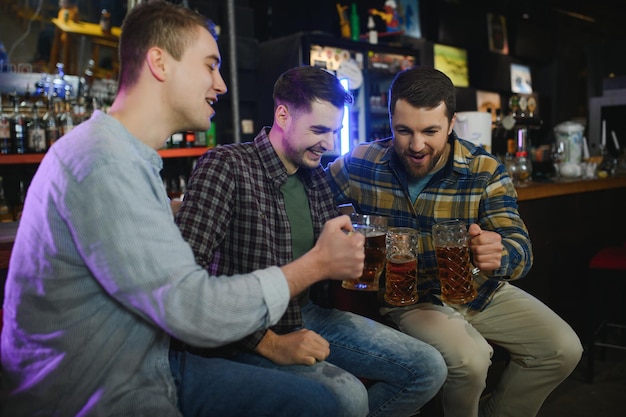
x=99, y=279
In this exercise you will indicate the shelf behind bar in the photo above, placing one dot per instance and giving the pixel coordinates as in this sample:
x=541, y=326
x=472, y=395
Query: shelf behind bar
x=35, y=158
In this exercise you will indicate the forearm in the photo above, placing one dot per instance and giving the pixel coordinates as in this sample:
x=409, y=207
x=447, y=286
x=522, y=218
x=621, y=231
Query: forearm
x=304, y=271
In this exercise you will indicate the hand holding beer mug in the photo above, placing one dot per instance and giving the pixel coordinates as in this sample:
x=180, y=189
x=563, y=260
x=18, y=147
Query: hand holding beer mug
x=374, y=229
x=456, y=273
x=401, y=267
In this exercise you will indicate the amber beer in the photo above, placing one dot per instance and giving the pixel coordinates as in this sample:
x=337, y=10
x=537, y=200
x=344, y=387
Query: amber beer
x=401, y=266
x=401, y=284
x=451, y=241
x=374, y=261
x=374, y=229
x=455, y=274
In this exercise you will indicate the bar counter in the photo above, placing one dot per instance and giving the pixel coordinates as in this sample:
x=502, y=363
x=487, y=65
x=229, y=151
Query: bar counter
x=568, y=222
x=568, y=186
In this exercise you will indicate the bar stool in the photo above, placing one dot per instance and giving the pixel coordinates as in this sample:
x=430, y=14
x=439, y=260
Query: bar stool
x=607, y=268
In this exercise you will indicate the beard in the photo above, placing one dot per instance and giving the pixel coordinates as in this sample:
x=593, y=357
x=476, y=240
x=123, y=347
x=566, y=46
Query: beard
x=417, y=172
x=297, y=156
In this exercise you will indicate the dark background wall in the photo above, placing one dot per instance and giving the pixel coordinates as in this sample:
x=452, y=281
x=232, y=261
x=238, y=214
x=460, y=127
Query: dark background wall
x=572, y=47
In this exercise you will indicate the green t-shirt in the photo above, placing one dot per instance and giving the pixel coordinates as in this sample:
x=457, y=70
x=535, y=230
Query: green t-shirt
x=299, y=214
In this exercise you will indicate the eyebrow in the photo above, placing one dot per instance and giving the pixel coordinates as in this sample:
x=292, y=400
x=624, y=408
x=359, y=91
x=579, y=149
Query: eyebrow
x=323, y=128
x=215, y=58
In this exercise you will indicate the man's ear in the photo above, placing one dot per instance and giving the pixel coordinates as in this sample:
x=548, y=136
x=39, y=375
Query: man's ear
x=452, y=123
x=282, y=115
x=156, y=59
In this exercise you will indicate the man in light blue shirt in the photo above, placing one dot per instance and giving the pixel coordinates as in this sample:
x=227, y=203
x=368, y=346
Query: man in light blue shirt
x=100, y=277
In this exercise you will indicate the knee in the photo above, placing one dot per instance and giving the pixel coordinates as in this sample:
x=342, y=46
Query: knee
x=346, y=396
x=433, y=370
x=423, y=367
x=315, y=400
x=568, y=350
x=471, y=364
x=352, y=399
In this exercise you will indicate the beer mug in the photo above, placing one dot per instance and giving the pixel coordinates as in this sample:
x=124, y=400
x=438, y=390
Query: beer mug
x=401, y=266
x=456, y=273
x=374, y=229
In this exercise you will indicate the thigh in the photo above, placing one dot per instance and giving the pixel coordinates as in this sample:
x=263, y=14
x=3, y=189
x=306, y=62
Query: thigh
x=348, y=391
x=223, y=388
x=370, y=349
x=444, y=328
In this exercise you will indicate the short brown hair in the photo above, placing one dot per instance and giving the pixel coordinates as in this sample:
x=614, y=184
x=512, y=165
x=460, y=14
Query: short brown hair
x=156, y=23
x=423, y=86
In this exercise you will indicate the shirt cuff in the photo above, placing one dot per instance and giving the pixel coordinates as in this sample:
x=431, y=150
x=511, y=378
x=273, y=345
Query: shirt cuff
x=275, y=292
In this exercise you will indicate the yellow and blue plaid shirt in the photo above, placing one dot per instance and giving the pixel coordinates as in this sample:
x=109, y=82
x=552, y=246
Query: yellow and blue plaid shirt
x=472, y=185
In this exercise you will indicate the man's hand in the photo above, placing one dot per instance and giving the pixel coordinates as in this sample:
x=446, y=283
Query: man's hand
x=301, y=347
x=486, y=247
x=341, y=251
x=338, y=254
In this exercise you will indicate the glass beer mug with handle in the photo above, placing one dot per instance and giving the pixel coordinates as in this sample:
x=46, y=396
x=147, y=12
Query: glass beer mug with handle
x=374, y=229
x=456, y=273
x=401, y=266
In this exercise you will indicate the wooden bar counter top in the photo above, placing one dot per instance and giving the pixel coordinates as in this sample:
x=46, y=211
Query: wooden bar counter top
x=537, y=190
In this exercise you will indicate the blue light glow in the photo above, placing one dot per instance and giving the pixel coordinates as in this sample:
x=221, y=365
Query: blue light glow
x=344, y=135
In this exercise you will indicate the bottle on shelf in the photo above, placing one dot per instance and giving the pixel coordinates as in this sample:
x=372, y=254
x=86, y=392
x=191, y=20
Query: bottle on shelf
x=524, y=167
x=67, y=118
x=210, y=137
x=355, y=23
x=53, y=133
x=608, y=163
x=190, y=139
x=36, y=141
x=5, y=130
x=87, y=79
x=59, y=83
x=499, y=144
x=371, y=30
x=105, y=21
x=18, y=127
x=177, y=140
x=510, y=163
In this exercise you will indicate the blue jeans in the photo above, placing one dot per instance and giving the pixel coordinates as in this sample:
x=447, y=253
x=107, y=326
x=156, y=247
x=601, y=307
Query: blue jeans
x=219, y=387
x=408, y=372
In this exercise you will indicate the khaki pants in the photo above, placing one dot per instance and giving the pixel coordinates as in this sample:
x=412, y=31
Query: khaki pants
x=544, y=351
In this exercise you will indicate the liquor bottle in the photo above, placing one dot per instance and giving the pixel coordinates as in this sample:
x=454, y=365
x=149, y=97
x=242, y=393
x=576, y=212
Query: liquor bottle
x=355, y=24
x=524, y=167
x=58, y=81
x=67, y=119
x=80, y=110
x=87, y=79
x=5, y=130
x=105, y=21
x=18, y=127
x=371, y=31
x=36, y=140
x=190, y=139
x=210, y=139
x=5, y=214
x=177, y=140
x=510, y=163
x=51, y=123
